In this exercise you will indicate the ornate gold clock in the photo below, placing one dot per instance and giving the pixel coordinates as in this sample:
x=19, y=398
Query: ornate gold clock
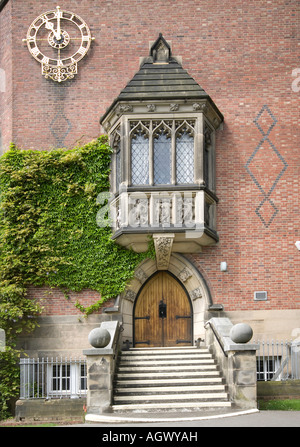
x=58, y=40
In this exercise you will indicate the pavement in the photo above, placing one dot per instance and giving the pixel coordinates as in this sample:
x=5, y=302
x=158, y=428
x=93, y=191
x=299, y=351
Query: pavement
x=233, y=418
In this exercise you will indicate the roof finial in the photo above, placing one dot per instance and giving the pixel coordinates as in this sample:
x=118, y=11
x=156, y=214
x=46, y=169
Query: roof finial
x=160, y=50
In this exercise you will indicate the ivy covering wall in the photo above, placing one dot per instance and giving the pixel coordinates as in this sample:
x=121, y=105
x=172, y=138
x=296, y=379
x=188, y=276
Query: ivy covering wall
x=49, y=234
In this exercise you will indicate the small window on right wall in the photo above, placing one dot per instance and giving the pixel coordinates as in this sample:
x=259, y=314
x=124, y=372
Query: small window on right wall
x=261, y=296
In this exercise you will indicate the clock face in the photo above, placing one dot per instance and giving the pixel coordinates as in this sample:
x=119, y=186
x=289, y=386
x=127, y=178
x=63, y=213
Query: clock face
x=58, y=40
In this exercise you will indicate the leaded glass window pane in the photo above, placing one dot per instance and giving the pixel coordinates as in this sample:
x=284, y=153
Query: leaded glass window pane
x=140, y=159
x=162, y=160
x=185, y=158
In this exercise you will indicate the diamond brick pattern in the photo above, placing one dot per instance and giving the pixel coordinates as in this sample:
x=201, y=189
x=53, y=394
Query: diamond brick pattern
x=60, y=128
x=264, y=155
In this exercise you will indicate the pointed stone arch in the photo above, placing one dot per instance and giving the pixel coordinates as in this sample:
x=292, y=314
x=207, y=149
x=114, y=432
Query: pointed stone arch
x=190, y=278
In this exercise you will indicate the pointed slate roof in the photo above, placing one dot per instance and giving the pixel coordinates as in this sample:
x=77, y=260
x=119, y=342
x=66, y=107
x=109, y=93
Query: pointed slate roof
x=161, y=77
x=162, y=81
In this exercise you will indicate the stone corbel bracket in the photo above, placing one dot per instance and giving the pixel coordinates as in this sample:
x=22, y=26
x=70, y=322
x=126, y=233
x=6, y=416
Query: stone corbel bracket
x=163, y=248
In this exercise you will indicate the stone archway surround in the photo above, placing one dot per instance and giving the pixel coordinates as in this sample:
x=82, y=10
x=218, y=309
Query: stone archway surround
x=190, y=278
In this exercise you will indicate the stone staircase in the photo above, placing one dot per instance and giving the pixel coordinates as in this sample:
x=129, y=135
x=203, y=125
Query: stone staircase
x=167, y=379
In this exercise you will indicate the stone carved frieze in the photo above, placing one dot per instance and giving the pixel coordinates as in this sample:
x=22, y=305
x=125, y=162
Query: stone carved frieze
x=174, y=107
x=163, y=210
x=151, y=107
x=138, y=215
x=163, y=247
x=124, y=108
x=199, y=107
x=130, y=295
x=184, y=210
x=185, y=274
x=196, y=293
x=141, y=276
x=188, y=211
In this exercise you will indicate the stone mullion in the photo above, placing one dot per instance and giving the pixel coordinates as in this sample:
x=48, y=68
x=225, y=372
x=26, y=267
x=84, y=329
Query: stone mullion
x=198, y=151
x=173, y=154
x=151, y=155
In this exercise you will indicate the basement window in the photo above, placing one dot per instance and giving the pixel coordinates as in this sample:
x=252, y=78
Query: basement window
x=66, y=379
x=267, y=367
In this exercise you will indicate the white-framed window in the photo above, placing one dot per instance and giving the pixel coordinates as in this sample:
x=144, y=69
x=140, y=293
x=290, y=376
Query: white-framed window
x=66, y=379
x=267, y=367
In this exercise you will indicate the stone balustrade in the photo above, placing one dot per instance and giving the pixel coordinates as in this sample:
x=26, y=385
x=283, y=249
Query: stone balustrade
x=237, y=359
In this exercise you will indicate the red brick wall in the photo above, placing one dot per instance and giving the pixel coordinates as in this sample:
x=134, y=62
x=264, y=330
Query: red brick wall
x=55, y=302
x=243, y=54
x=6, y=98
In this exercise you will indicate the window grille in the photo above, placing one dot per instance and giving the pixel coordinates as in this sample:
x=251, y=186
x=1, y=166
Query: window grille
x=278, y=360
x=47, y=378
x=267, y=367
x=260, y=296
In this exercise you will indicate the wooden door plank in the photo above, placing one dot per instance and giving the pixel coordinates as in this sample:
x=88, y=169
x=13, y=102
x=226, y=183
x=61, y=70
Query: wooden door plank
x=148, y=327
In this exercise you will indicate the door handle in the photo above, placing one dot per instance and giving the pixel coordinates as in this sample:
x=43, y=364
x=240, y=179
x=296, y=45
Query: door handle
x=162, y=309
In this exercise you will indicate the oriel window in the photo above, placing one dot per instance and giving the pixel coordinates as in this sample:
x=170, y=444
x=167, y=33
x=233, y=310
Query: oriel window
x=162, y=152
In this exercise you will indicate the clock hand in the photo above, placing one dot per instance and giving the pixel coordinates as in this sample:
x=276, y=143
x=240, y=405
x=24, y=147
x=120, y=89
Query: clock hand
x=50, y=25
x=58, y=31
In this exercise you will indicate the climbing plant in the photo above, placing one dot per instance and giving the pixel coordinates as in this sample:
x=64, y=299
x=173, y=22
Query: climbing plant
x=49, y=234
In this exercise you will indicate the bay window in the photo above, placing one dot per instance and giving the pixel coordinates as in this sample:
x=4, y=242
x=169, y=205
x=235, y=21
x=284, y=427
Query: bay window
x=162, y=128
x=161, y=152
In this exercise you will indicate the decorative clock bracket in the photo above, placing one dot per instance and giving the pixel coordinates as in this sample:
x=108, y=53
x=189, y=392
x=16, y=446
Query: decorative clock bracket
x=59, y=74
x=59, y=50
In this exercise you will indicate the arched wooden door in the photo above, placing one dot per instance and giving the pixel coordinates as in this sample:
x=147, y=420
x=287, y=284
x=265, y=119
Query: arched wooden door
x=162, y=313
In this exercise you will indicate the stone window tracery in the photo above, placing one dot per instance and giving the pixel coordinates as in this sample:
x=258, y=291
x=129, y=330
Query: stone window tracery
x=162, y=152
x=139, y=156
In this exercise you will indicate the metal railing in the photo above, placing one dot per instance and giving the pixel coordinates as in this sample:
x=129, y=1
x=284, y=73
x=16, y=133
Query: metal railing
x=52, y=378
x=57, y=378
x=278, y=360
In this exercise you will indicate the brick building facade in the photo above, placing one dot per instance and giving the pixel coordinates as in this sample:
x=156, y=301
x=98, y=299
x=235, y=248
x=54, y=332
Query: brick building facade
x=244, y=55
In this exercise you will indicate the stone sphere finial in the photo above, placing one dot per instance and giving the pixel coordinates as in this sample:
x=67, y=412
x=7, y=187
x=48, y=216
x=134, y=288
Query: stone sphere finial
x=99, y=337
x=241, y=333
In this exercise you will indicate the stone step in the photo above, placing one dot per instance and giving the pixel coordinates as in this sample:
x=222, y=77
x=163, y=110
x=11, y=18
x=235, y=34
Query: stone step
x=190, y=375
x=140, y=380
x=168, y=389
x=171, y=397
x=171, y=363
x=153, y=357
x=163, y=368
x=163, y=379
x=164, y=348
x=169, y=406
x=164, y=351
